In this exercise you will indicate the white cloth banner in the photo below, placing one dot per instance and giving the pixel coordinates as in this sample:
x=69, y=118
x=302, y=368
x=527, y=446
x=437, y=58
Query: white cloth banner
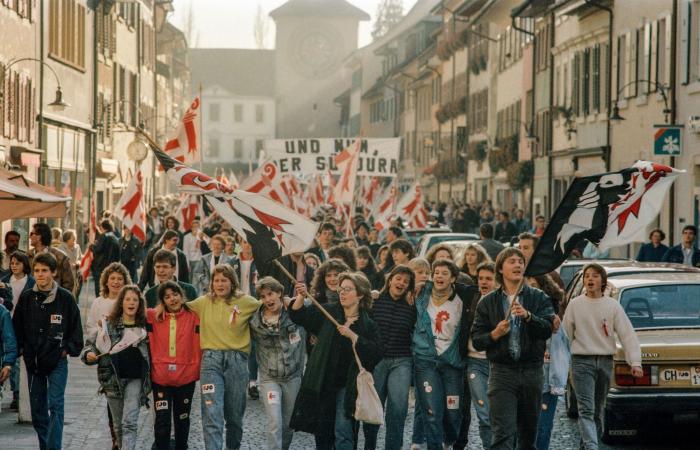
x=378, y=157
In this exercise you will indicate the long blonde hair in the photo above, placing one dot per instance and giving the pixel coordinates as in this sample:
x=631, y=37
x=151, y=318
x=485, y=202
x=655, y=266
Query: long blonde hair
x=228, y=272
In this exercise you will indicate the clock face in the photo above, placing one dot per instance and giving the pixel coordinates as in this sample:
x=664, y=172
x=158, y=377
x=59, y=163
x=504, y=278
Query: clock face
x=316, y=51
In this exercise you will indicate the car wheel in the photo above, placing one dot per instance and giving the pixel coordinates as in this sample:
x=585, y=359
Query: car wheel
x=571, y=403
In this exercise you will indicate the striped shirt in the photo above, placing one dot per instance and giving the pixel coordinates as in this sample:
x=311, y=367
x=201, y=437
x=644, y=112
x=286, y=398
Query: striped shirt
x=396, y=320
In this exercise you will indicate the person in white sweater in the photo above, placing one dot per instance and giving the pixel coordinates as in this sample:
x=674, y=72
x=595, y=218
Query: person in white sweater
x=113, y=278
x=591, y=322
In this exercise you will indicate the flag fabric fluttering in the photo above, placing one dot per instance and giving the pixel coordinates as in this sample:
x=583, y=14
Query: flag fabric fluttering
x=608, y=210
x=131, y=209
x=331, y=190
x=411, y=207
x=89, y=256
x=370, y=191
x=272, y=229
x=183, y=147
x=266, y=180
x=346, y=162
x=233, y=180
x=385, y=207
x=190, y=208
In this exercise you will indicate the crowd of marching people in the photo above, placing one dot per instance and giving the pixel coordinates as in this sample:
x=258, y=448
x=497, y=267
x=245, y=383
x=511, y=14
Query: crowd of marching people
x=195, y=310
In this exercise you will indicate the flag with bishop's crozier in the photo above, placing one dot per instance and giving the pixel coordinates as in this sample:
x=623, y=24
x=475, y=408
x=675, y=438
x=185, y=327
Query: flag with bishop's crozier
x=266, y=180
x=130, y=208
x=272, y=229
x=183, y=147
x=608, y=210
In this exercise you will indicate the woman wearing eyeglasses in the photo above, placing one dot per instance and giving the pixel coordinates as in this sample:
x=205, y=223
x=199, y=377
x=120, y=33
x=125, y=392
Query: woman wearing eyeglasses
x=326, y=400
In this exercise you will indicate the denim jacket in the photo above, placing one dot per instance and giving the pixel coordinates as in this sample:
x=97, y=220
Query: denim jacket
x=8, y=342
x=423, y=344
x=280, y=352
x=110, y=383
x=556, y=370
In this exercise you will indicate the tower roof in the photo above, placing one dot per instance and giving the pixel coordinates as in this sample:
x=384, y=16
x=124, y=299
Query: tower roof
x=319, y=8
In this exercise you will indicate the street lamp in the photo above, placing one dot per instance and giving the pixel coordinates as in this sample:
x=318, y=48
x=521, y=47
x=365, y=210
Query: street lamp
x=58, y=104
x=615, y=115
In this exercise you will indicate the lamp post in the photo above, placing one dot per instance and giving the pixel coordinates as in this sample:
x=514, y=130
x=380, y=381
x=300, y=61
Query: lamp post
x=663, y=91
x=58, y=104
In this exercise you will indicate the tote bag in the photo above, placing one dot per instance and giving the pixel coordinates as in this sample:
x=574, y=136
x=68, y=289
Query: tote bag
x=368, y=407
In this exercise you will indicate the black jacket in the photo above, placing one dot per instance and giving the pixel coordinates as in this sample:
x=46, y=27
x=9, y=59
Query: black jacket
x=131, y=252
x=45, y=327
x=534, y=333
x=148, y=273
x=106, y=250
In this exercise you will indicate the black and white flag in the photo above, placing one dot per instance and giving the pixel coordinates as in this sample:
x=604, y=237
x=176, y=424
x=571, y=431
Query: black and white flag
x=608, y=210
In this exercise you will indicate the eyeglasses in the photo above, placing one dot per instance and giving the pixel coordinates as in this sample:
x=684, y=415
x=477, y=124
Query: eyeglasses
x=346, y=289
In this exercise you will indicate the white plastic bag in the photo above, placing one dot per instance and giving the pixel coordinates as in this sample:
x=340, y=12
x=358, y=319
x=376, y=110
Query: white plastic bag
x=368, y=407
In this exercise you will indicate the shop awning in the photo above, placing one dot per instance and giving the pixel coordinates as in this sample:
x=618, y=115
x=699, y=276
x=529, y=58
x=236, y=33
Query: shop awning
x=21, y=198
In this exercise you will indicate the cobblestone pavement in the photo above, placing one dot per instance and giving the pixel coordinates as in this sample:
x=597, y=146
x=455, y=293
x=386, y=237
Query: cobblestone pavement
x=86, y=423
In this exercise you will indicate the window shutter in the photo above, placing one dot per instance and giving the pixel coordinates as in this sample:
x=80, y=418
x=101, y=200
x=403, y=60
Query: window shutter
x=633, y=67
x=32, y=113
x=596, y=79
x=7, y=101
x=575, y=84
x=652, y=42
x=2, y=99
x=685, y=30
x=585, y=91
x=667, y=52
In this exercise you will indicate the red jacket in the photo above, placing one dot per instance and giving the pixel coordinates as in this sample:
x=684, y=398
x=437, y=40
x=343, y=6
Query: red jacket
x=177, y=365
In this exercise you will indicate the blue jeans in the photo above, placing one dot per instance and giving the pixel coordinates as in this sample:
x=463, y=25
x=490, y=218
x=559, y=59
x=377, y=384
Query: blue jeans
x=546, y=422
x=252, y=363
x=223, y=380
x=478, y=376
x=46, y=399
x=125, y=413
x=344, y=426
x=14, y=379
x=278, y=397
x=591, y=379
x=440, y=392
x=418, y=421
x=392, y=380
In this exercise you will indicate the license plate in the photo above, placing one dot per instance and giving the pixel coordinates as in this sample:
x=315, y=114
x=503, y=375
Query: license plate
x=673, y=375
x=695, y=376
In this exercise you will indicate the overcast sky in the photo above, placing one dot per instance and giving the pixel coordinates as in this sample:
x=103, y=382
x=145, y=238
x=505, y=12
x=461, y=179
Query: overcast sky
x=229, y=23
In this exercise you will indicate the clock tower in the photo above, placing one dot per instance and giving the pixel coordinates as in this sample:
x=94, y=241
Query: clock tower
x=313, y=39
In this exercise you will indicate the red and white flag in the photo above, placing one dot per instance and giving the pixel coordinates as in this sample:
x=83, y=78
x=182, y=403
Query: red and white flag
x=347, y=161
x=131, y=210
x=411, y=207
x=89, y=256
x=370, y=191
x=183, y=147
x=266, y=180
x=385, y=207
x=190, y=208
x=331, y=190
x=233, y=180
x=271, y=228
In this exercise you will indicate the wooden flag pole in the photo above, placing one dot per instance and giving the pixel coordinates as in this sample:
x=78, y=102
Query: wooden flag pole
x=313, y=300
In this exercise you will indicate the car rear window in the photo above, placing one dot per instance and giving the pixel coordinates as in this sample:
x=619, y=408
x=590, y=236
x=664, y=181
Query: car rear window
x=663, y=306
x=567, y=273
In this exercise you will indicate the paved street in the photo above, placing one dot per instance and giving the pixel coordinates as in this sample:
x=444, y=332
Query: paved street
x=86, y=422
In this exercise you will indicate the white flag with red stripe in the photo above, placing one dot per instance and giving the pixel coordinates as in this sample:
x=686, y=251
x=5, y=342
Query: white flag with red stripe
x=346, y=161
x=411, y=207
x=233, y=180
x=131, y=210
x=183, y=147
x=190, y=208
x=89, y=256
x=385, y=207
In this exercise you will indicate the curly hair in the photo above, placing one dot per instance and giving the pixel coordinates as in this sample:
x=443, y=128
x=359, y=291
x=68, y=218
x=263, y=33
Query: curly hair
x=401, y=270
x=344, y=253
x=430, y=256
x=318, y=285
x=227, y=271
x=362, y=287
x=118, y=309
x=109, y=270
x=547, y=285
